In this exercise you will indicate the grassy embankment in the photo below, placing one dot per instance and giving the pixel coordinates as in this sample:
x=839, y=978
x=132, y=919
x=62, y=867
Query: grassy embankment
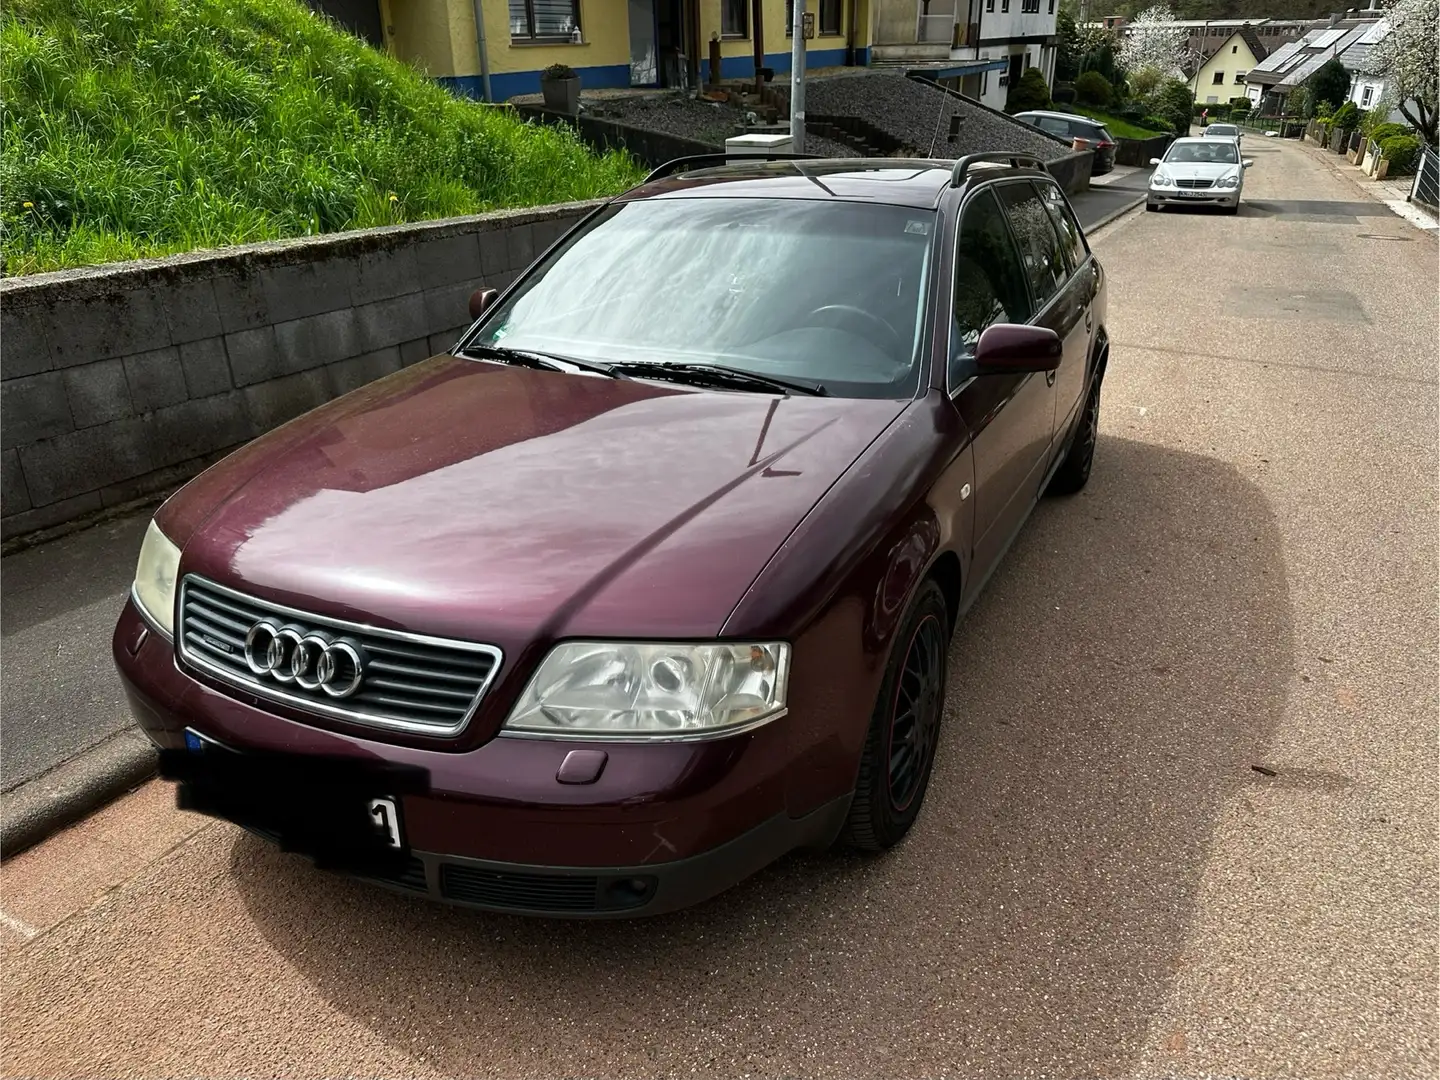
x=1121, y=129
x=135, y=128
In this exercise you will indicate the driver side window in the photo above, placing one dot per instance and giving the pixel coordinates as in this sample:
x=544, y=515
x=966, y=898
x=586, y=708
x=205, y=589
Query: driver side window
x=989, y=281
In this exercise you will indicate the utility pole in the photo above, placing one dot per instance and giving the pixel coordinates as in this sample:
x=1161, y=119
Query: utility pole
x=797, y=79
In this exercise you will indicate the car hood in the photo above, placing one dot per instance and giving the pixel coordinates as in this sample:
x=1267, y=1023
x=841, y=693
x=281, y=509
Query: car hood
x=507, y=505
x=1200, y=170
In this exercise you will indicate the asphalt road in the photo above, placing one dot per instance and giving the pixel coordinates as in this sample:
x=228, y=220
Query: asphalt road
x=1103, y=883
x=62, y=598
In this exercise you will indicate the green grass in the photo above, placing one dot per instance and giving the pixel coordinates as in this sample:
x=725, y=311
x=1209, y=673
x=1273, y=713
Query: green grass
x=135, y=128
x=1121, y=129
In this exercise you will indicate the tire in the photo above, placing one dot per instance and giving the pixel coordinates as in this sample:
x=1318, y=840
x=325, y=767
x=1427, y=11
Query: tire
x=888, y=800
x=1233, y=210
x=1074, y=473
x=1151, y=207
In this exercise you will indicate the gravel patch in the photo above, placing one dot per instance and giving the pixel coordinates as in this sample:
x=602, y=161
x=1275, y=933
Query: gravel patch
x=909, y=111
x=704, y=121
x=918, y=116
x=675, y=114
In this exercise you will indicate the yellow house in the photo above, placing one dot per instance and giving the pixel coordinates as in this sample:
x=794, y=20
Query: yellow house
x=610, y=43
x=1222, y=76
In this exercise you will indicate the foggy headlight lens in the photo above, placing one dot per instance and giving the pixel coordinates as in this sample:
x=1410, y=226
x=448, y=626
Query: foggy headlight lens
x=155, y=575
x=1160, y=179
x=617, y=690
x=1229, y=182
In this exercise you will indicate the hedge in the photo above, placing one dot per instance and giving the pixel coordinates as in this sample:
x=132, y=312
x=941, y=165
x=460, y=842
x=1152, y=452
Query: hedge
x=1401, y=151
x=1092, y=88
x=1381, y=132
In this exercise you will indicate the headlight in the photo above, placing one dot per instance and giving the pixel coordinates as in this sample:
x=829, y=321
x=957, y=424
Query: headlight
x=619, y=690
x=155, y=575
x=1160, y=179
x=1232, y=181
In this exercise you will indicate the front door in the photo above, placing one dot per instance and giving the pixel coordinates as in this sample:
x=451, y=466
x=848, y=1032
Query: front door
x=644, y=63
x=1075, y=322
x=1010, y=417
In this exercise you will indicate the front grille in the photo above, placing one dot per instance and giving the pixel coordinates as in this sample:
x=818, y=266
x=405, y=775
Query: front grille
x=535, y=892
x=407, y=682
x=1194, y=184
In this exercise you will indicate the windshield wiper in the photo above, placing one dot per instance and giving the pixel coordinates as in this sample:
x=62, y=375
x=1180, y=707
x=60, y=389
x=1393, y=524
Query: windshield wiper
x=720, y=376
x=539, y=360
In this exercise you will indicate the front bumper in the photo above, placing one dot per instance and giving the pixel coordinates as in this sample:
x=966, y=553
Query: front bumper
x=1203, y=197
x=661, y=827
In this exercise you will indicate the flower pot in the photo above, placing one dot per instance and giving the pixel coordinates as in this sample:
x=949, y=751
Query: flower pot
x=562, y=94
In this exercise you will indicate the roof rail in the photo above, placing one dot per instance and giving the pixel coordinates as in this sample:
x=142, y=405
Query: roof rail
x=1013, y=159
x=678, y=164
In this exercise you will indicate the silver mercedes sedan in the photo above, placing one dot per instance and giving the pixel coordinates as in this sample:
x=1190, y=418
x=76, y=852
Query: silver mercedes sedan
x=1198, y=172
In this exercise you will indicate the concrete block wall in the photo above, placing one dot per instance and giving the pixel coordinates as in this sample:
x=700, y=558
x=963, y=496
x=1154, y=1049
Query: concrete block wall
x=122, y=381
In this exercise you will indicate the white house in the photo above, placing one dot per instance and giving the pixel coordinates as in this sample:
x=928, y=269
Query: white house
x=1269, y=82
x=977, y=46
x=1366, y=90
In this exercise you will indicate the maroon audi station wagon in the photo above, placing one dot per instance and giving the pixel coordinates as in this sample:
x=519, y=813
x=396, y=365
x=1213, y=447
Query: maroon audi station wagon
x=651, y=579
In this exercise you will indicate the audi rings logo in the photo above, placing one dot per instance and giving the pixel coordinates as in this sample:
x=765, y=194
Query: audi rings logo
x=310, y=660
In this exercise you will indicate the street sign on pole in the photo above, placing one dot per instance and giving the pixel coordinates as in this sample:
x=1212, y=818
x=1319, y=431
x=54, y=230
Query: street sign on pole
x=797, y=78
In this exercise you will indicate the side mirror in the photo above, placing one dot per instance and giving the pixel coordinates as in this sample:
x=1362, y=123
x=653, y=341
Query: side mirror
x=481, y=299
x=1009, y=347
x=1245, y=164
x=1154, y=161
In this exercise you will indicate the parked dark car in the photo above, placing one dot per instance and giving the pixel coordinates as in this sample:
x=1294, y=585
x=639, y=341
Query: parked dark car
x=652, y=579
x=1069, y=127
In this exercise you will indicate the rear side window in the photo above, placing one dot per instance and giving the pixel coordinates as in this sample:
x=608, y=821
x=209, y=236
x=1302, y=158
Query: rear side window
x=989, y=281
x=1105, y=135
x=1071, y=238
x=1054, y=125
x=1039, y=245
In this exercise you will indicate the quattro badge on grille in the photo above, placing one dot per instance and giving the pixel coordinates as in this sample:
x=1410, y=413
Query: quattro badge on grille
x=310, y=660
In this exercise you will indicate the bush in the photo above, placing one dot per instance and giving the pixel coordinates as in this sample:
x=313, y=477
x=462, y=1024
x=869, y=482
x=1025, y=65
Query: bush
x=1155, y=123
x=1031, y=92
x=1346, y=117
x=1173, y=102
x=1132, y=111
x=1145, y=82
x=558, y=71
x=1063, y=95
x=1329, y=86
x=1381, y=132
x=1401, y=151
x=1092, y=88
x=1216, y=111
x=1375, y=118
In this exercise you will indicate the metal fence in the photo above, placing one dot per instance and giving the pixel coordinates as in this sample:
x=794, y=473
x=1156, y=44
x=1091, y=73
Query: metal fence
x=1426, y=189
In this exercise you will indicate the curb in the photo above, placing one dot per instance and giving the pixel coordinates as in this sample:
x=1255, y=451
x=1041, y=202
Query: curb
x=43, y=806
x=1139, y=200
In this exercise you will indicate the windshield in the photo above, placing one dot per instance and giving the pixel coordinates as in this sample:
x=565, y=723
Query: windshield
x=1214, y=153
x=824, y=292
x=1220, y=129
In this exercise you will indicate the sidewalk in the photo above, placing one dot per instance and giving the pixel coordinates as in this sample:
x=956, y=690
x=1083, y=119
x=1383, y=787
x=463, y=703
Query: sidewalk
x=1394, y=193
x=69, y=741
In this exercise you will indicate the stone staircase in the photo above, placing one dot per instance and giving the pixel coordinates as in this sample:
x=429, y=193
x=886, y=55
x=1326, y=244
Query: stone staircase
x=860, y=135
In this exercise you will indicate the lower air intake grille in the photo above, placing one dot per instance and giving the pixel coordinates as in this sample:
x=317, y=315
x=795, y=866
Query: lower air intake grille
x=534, y=892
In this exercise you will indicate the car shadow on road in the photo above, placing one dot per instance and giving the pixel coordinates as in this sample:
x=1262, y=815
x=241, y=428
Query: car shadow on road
x=1109, y=695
